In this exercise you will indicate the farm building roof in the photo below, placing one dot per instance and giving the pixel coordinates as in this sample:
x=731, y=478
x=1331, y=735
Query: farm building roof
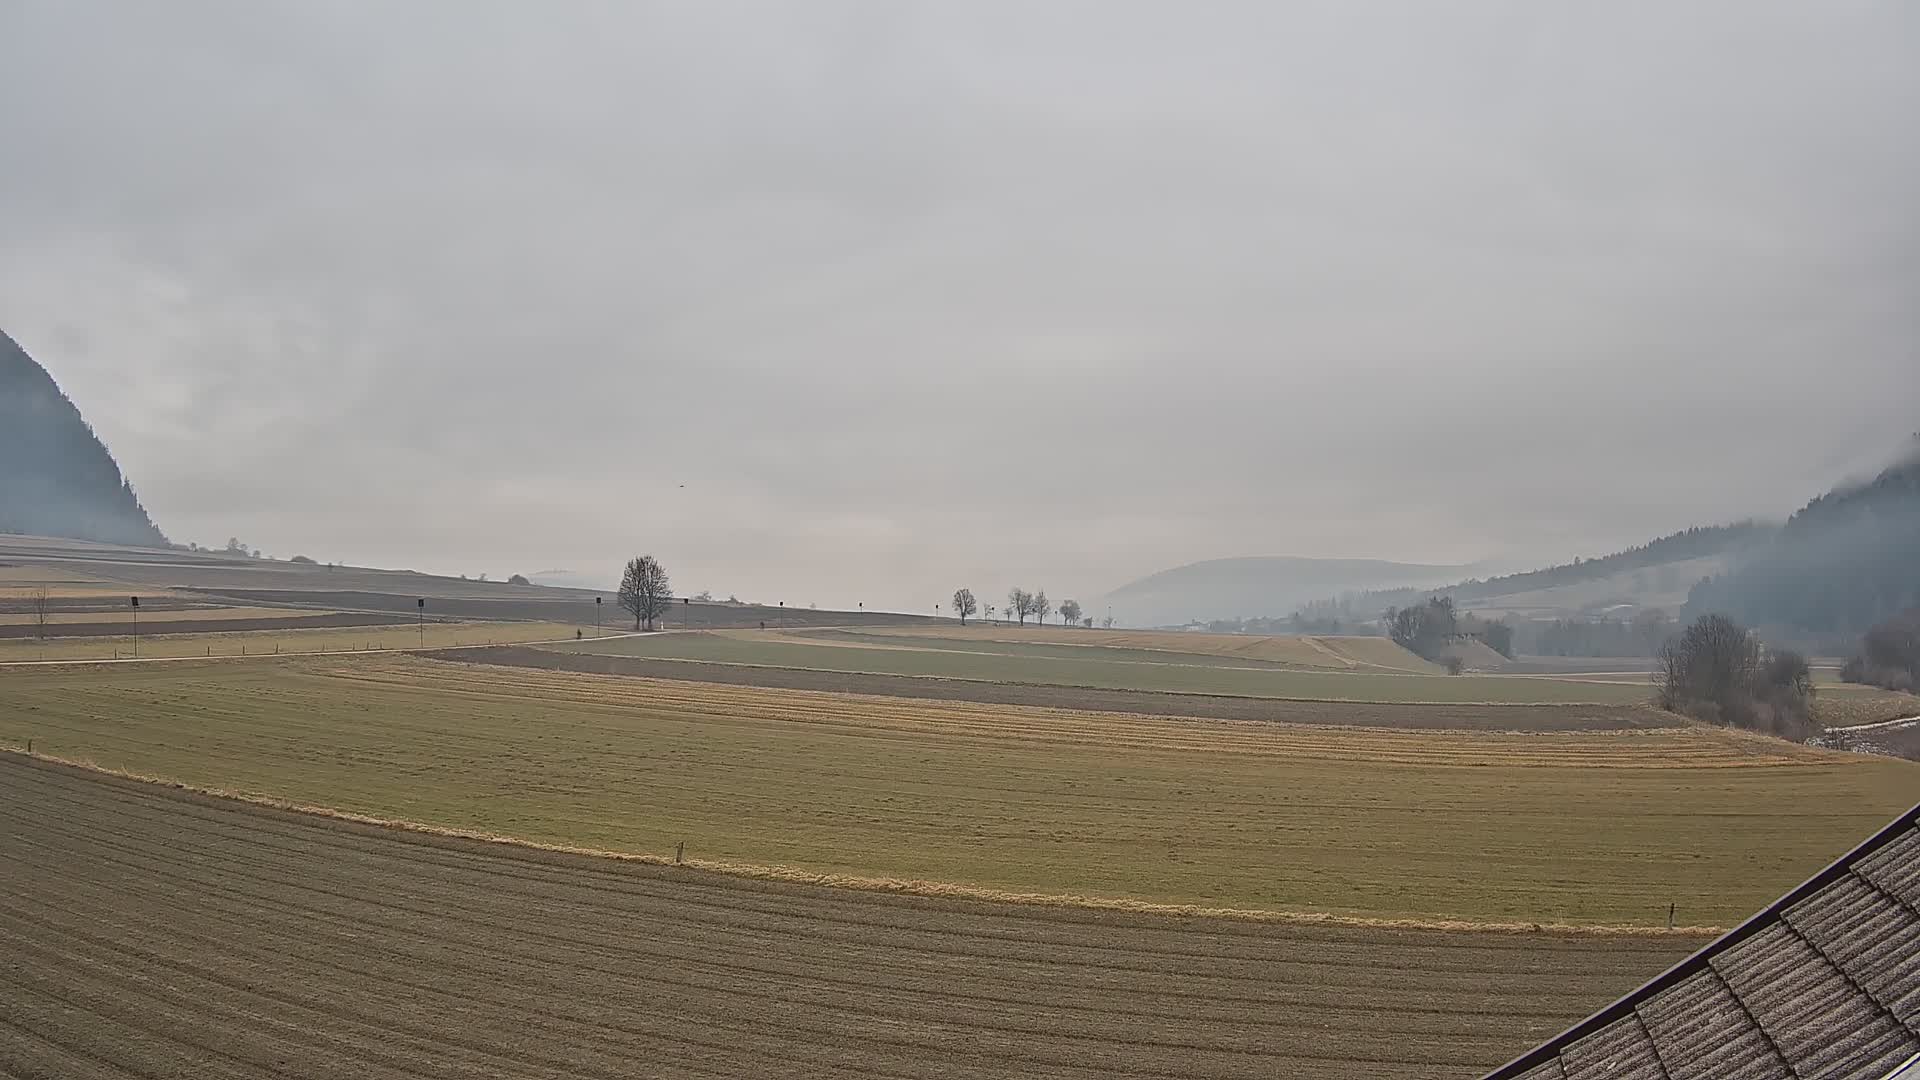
x=1823, y=983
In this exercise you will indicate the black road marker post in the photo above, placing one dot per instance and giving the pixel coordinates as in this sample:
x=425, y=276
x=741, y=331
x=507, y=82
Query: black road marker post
x=596, y=616
x=136, y=626
x=1670, y=916
x=421, y=603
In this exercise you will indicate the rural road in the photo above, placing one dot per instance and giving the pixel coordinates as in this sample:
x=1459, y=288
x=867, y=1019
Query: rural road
x=1879, y=725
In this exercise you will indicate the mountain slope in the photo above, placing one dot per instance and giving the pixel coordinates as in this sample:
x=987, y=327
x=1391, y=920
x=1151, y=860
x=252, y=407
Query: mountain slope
x=56, y=478
x=1258, y=585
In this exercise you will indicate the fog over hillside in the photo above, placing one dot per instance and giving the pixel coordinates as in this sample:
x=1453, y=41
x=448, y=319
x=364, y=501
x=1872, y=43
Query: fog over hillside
x=1847, y=560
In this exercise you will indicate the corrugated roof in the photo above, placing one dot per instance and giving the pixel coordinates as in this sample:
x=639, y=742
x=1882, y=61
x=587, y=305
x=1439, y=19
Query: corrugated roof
x=1823, y=983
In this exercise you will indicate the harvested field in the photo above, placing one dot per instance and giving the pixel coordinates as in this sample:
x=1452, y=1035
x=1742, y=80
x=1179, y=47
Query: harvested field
x=1210, y=676
x=105, y=571
x=202, y=622
x=18, y=612
x=152, y=932
x=1577, y=827
x=1539, y=718
x=1305, y=651
x=182, y=641
x=1843, y=704
x=566, y=606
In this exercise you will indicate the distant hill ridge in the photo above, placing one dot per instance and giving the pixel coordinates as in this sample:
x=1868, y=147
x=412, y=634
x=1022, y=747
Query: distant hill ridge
x=56, y=477
x=1258, y=585
x=1845, y=561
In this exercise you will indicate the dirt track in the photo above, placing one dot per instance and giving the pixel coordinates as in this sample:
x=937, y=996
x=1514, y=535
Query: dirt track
x=149, y=932
x=1135, y=702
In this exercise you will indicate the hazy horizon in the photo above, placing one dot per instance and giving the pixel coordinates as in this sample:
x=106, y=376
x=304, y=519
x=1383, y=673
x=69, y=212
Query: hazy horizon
x=862, y=302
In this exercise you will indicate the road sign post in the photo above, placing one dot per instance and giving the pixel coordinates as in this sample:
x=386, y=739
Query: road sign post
x=136, y=625
x=421, y=604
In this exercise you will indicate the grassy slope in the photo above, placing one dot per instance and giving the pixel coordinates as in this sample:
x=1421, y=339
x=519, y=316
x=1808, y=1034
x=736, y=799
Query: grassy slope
x=1602, y=828
x=1123, y=670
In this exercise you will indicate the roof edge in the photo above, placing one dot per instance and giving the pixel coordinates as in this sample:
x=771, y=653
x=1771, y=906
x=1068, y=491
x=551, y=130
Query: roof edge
x=1766, y=917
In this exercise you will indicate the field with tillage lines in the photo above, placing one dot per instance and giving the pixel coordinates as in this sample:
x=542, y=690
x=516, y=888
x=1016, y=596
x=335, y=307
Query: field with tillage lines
x=155, y=933
x=1590, y=827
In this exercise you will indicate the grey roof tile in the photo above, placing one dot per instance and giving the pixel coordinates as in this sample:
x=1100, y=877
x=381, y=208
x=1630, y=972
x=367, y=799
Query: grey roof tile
x=1618, y=1052
x=1896, y=868
x=1704, y=1034
x=1871, y=936
x=1822, y=1023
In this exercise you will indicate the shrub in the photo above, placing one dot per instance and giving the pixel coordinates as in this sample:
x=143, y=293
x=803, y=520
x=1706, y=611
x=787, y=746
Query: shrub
x=1889, y=654
x=1716, y=671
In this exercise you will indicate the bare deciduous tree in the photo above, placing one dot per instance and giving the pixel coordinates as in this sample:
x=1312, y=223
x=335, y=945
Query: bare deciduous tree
x=1069, y=612
x=43, y=608
x=42, y=605
x=964, y=604
x=645, y=591
x=1708, y=663
x=1020, y=603
x=1041, y=607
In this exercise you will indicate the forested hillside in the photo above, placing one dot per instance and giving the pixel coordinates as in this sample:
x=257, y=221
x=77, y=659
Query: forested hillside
x=1847, y=560
x=1688, y=544
x=56, y=478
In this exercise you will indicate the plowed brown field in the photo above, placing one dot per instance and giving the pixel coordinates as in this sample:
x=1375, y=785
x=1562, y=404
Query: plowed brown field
x=146, y=931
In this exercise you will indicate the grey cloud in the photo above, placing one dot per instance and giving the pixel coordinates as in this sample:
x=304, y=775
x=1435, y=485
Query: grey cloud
x=908, y=294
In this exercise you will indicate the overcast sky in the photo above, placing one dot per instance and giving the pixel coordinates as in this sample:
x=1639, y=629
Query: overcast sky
x=914, y=295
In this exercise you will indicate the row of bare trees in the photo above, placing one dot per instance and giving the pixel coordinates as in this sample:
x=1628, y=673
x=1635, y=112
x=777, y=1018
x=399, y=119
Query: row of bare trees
x=1022, y=605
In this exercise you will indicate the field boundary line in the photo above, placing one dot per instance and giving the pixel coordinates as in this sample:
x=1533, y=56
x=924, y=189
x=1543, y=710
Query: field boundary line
x=857, y=883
